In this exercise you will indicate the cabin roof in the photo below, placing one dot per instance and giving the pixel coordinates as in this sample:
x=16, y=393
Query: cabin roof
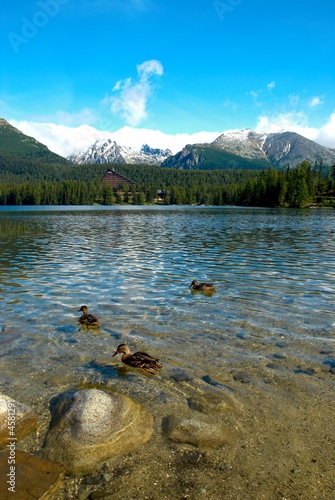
x=115, y=179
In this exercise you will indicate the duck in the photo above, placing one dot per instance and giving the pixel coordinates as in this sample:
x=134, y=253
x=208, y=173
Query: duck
x=138, y=359
x=203, y=287
x=88, y=319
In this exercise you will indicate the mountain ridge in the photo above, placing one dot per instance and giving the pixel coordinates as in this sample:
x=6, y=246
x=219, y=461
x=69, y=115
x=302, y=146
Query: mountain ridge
x=14, y=143
x=243, y=148
x=279, y=150
x=108, y=151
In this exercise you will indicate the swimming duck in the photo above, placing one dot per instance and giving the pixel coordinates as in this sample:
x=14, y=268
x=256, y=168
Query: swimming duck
x=138, y=359
x=87, y=319
x=203, y=287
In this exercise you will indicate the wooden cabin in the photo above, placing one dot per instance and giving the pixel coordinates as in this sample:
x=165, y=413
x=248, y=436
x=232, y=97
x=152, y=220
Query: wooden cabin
x=115, y=180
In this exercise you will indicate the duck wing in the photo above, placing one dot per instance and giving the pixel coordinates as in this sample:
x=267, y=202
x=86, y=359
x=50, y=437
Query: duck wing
x=143, y=360
x=89, y=319
x=145, y=356
x=205, y=286
x=92, y=318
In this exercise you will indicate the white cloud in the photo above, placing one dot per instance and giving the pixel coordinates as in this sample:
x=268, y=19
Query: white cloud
x=61, y=139
x=228, y=103
x=255, y=94
x=298, y=122
x=132, y=100
x=271, y=85
x=149, y=68
x=66, y=140
x=136, y=137
x=326, y=134
x=315, y=102
x=294, y=101
x=278, y=122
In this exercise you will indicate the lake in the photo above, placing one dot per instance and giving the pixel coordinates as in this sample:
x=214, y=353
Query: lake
x=271, y=318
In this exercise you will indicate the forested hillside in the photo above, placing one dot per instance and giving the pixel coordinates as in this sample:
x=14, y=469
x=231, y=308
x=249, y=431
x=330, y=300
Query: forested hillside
x=14, y=143
x=31, y=182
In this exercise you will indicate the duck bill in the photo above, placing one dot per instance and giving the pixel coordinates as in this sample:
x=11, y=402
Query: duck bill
x=115, y=353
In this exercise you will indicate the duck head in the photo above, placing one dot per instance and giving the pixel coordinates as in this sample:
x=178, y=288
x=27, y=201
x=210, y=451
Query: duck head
x=122, y=348
x=83, y=309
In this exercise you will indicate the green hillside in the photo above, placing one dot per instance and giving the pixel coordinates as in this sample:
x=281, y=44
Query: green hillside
x=18, y=170
x=215, y=158
x=16, y=144
x=208, y=157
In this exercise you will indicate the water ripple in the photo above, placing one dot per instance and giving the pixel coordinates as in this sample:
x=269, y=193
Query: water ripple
x=274, y=270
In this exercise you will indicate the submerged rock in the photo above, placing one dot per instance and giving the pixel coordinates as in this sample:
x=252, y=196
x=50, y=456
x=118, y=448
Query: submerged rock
x=212, y=404
x=89, y=426
x=200, y=430
x=242, y=377
x=31, y=478
x=179, y=375
x=17, y=420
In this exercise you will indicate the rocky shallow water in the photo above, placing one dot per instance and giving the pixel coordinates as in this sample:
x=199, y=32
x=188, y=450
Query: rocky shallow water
x=268, y=437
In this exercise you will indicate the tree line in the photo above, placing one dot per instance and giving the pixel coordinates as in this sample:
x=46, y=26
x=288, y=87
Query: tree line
x=34, y=183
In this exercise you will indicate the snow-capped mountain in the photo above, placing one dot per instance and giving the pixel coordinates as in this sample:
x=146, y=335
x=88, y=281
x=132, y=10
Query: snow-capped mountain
x=248, y=149
x=108, y=151
x=232, y=149
x=245, y=143
x=280, y=149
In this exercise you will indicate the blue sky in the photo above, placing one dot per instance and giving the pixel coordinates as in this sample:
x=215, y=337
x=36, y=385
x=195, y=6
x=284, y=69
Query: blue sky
x=72, y=69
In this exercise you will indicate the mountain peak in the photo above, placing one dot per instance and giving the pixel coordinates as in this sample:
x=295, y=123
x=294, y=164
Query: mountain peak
x=108, y=151
x=245, y=143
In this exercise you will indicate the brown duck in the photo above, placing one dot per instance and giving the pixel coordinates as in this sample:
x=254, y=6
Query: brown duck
x=138, y=359
x=88, y=319
x=203, y=287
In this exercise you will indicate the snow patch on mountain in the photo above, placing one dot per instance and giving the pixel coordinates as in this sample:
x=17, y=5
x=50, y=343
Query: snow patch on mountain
x=245, y=143
x=108, y=151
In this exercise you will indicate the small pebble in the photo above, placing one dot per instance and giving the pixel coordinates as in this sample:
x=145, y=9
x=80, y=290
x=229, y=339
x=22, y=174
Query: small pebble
x=280, y=355
x=71, y=341
x=181, y=376
x=326, y=351
x=242, y=377
x=273, y=366
x=210, y=380
x=306, y=371
x=83, y=494
x=281, y=344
